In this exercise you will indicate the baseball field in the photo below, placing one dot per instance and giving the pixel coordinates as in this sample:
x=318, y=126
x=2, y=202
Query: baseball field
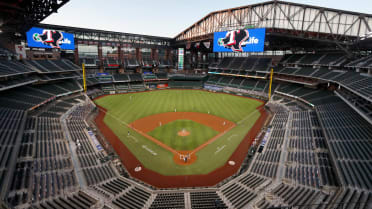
x=180, y=132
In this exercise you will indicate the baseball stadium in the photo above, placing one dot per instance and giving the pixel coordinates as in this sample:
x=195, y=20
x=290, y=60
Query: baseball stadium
x=262, y=106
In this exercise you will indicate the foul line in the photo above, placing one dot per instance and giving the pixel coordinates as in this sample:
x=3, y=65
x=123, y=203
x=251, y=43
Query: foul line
x=173, y=150
x=249, y=115
x=134, y=138
x=140, y=132
x=228, y=139
x=212, y=140
x=222, y=133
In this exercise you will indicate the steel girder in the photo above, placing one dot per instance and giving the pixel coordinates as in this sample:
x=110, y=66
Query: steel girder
x=19, y=16
x=303, y=20
x=101, y=36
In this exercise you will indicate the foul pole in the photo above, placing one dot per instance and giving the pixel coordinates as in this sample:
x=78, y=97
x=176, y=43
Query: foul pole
x=271, y=81
x=84, y=79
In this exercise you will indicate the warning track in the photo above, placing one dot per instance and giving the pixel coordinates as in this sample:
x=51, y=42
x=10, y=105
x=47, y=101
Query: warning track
x=163, y=181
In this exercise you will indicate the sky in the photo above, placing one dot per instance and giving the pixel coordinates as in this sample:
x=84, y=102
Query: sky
x=163, y=17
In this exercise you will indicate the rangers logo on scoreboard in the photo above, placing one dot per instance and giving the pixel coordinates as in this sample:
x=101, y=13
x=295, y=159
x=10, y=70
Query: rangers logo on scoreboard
x=234, y=40
x=245, y=40
x=43, y=38
x=49, y=37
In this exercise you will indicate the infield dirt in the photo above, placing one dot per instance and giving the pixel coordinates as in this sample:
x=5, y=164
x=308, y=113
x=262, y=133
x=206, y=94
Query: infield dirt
x=163, y=181
x=149, y=123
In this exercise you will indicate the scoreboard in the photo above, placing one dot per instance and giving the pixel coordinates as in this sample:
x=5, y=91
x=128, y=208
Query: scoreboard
x=244, y=40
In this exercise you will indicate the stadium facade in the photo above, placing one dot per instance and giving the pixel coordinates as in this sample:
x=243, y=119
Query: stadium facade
x=311, y=151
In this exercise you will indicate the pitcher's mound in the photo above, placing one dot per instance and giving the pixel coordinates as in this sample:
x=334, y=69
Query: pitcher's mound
x=183, y=132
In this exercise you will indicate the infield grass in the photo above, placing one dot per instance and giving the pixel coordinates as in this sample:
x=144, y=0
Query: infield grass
x=123, y=109
x=198, y=134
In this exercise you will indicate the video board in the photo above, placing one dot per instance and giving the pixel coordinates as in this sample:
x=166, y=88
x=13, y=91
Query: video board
x=44, y=38
x=244, y=40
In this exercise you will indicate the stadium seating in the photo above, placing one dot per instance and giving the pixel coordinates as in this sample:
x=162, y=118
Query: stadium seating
x=93, y=171
x=316, y=153
x=135, y=77
x=332, y=59
x=76, y=200
x=90, y=81
x=169, y=201
x=237, y=62
x=115, y=186
x=299, y=196
x=149, y=76
x=263, y=64
x=44, y=157
x=10, y=68
x=131, y=63
x=52, y=66
x=348, y=135
x=318, y=59
x=162, y=75
x=122, y=87
x=266, y=163
x=89, y=62
x=134, y=198
x=342, y=74
x=364, y=62
x=121, y=78
x=108, y=87
x=185, y=84
x=241, y=65
x=17, y=81
x=206, y=200
x=10, y=126
x=350, y=198
x=59, y=76
x=238, y=195
x=305, y=166
x=358, y=103
x=147, y=63
x=163, y=63
x=110, y=63
x=137, y=86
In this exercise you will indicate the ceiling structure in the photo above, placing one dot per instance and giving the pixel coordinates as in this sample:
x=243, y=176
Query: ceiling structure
x=290, y=21
x=20, y=15
x=94, y=37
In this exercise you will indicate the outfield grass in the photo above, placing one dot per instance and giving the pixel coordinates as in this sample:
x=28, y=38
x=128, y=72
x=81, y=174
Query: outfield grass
x=168, y=134
x=123, y=109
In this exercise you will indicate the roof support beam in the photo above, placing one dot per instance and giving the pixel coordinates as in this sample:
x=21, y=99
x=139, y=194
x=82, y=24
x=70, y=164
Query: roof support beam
x=292, y=17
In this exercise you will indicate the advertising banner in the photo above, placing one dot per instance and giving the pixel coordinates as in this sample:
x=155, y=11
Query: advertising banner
x=95, y=141
x=213, y=88
x=20, y=51
x=162, y=86
x=245, y=40
x=181, y=54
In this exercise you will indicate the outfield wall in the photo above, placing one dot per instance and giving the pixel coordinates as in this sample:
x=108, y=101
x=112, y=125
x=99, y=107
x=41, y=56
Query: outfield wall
x=161, y=181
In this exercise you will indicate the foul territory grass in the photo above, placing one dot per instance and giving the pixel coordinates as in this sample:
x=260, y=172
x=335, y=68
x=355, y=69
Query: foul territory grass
x=123, y=109
x=198, y=134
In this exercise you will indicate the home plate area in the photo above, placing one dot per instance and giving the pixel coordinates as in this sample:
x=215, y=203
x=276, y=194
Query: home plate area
x=182, y=133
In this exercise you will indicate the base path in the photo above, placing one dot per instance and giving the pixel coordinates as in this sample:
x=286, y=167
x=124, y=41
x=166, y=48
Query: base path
x=149, y=123
x=161, y=181
x=146, y=124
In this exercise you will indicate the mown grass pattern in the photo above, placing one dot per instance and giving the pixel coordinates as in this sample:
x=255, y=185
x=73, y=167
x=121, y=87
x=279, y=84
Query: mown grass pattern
x=168, y=134
x=126, y=108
